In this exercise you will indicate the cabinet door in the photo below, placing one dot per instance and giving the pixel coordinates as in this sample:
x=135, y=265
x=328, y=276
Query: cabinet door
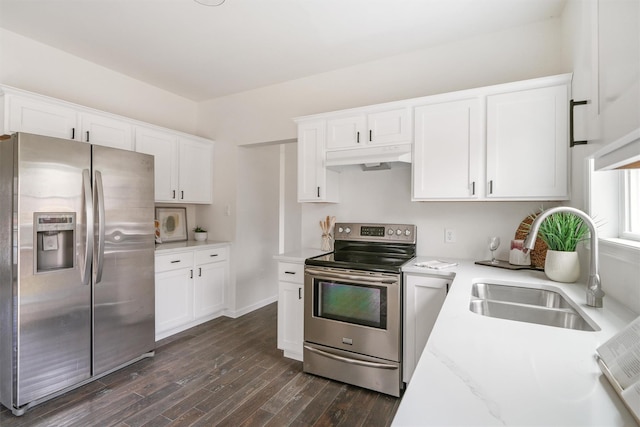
x=195, y=171
x=174, y=299
x=423, y=301
x=346, y=132
x=106, y=131
x=42, y=118
x=447, y=150
x=163, y=147
x=527, y=144
x=312, y=174
x=291, y=319
x=209, y=284
x=389, y=127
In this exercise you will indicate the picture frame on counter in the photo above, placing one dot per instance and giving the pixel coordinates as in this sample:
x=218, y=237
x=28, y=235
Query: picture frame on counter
x=172, y=223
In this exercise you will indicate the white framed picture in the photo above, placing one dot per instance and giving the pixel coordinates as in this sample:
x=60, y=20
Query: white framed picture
x=172, y=224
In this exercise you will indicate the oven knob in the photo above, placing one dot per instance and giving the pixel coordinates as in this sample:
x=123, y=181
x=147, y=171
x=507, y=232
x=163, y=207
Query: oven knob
x=407, y=232
x=390, y=232
x=399, y=232
x=347, y=230
x=340, y=229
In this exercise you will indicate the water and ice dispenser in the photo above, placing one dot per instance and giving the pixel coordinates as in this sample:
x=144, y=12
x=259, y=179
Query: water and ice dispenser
x=55, y=240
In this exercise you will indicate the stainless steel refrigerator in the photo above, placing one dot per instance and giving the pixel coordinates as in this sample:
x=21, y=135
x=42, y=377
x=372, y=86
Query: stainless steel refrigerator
x=76, y=265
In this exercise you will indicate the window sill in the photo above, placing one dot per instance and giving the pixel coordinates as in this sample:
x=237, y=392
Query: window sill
x=623, y=249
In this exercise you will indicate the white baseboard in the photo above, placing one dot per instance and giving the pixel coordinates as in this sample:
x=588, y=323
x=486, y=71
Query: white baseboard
x=241, y=312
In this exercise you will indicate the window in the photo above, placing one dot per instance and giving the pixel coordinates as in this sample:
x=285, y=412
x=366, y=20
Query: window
x=630, y=209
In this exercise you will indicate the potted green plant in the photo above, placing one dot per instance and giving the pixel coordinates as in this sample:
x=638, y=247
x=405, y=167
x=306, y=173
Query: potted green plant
x=562, y=232
x=200, y=233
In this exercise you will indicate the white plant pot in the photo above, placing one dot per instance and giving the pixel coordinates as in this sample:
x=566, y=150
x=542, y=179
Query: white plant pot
x=562, y=266
x=200, y=237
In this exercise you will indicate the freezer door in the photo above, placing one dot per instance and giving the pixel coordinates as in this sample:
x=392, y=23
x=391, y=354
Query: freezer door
x=52, y=333
x=124, y=322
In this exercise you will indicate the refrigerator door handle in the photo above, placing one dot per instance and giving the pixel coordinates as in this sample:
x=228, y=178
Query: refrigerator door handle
x=88, y=206
x=100, y=214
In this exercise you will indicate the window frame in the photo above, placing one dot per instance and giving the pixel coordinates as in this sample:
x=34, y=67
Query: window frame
x=629, y=222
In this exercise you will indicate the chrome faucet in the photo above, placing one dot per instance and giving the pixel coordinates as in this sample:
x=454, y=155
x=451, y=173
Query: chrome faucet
x=594, y=288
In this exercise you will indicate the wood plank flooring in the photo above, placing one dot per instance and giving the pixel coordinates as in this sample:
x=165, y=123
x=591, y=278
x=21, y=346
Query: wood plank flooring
x=225, y=372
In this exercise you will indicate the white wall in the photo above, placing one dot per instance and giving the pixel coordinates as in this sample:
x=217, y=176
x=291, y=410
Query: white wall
x=257, y=232
x=36, y=67
x=265, y=114
x=385, y=196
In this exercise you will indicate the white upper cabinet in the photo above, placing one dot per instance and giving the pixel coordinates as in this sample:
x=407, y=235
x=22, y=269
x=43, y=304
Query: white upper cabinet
x=183, y=171
x=28, y=115
x=447, y=150
x=315, y=182
x=50, y=118
x=106, y=131
x=527, y=144
x=384, y=127
x=195, y=170
x=503, y=142
x=163, y=146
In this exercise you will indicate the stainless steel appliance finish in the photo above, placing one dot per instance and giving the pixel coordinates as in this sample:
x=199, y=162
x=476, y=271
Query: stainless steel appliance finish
x=353, y=306
x=76, y=265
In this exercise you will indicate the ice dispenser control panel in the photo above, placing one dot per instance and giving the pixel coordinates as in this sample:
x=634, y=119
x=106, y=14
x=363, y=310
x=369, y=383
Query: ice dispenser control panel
x=55, y=240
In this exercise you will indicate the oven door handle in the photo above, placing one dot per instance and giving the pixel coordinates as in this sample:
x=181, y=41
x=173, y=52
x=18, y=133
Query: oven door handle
x=351, y=361
x=372, y=279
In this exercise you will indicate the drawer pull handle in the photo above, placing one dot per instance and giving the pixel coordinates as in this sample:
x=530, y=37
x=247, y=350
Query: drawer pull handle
x=299, y=293
x=175, y=261
x=191, y=274
x=289, y=272
x=199, y=272
x=212, y=255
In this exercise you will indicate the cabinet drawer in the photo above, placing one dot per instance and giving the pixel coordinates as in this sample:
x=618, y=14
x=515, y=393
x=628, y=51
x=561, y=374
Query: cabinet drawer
x=211, y=255
x=290, y=272
x=174, y=261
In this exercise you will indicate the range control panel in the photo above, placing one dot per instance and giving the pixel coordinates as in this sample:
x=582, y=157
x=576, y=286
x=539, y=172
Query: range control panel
x=400, y=233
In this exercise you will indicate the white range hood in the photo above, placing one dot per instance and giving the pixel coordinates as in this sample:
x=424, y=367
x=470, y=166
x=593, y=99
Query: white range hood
x=371, y=158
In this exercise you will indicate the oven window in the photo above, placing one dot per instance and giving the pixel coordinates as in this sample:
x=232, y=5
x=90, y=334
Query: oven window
x=359, y=304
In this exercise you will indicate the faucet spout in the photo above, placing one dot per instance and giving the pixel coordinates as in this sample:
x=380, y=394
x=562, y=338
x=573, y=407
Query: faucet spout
x=595, y=294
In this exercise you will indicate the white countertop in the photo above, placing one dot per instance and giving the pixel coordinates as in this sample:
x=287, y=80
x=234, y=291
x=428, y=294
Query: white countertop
x=299, y=255
x=482, y=371
x=189, y=245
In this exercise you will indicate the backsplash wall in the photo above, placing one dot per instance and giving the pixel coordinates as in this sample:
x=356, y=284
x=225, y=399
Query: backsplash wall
x=385, y=196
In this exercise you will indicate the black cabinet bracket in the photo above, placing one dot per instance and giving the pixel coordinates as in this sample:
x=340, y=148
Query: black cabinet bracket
x=572, y=142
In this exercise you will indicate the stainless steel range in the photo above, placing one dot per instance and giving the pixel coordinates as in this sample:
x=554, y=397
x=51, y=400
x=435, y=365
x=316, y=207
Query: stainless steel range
x=353, y=306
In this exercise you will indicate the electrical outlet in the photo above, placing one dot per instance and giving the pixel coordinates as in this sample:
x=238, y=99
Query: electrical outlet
x=449, y=235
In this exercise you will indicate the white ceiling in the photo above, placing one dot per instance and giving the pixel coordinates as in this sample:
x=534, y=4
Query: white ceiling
x=202, y=52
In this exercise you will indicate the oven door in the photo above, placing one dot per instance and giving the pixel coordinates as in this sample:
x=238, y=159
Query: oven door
x=355, y=311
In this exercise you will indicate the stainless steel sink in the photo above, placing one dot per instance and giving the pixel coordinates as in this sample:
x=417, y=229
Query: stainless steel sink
x=531, y=305
x=520, y=295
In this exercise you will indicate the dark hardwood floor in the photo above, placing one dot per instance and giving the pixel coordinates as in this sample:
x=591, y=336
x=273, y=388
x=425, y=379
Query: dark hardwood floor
x=225, y=372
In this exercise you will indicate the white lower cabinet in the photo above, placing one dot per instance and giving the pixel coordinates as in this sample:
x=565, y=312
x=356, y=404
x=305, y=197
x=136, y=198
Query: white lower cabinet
x=424, y=297
x=291, y=309
x=190, y=287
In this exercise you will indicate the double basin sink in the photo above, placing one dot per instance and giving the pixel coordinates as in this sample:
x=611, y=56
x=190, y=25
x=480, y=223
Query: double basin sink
x=531, y=305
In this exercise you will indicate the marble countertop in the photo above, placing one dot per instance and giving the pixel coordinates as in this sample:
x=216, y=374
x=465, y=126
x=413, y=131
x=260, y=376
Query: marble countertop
x=483, y=371
x=189, y=245
x=299, y=255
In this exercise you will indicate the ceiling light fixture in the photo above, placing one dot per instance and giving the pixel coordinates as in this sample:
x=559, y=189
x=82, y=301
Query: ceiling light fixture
x=210, y=2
